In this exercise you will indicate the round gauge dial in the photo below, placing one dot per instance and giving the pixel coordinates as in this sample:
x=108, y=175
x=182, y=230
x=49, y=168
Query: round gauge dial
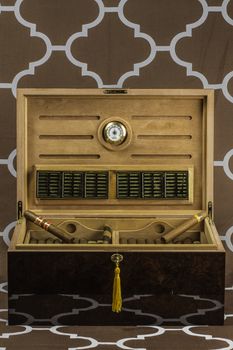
x=115, y=133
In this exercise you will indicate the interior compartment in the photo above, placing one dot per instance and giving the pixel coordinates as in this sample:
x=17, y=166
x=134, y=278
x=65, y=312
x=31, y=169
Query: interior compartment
x=144, y=233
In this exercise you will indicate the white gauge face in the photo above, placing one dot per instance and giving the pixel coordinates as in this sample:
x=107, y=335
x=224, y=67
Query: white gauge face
x=115, y=133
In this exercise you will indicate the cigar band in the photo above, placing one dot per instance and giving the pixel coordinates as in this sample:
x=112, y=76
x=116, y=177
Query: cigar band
x=38, y=221
x=107, y=234
x=46, y=226
x=197, y=217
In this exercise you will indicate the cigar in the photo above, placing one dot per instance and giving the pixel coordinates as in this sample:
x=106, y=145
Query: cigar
x=177, y=242
x=132, y=241
x=187, y=241
x=184, y=226
x=83, y=241
x=141, y=241
x=150, y=241
x=56, y=231
x=107, y=235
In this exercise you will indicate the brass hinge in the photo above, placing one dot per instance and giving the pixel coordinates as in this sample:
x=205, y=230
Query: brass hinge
x=19, y=210
x=210, y=210
x=115, y=91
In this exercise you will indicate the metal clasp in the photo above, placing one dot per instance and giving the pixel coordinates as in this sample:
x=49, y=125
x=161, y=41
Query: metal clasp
x=115, y=91
x=117, y=258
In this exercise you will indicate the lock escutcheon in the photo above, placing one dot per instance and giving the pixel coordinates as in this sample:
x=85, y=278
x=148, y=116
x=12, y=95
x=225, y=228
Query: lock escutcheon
x=117, y=258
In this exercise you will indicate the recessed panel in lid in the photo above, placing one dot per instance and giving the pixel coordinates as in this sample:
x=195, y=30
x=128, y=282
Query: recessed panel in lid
x=165, y=131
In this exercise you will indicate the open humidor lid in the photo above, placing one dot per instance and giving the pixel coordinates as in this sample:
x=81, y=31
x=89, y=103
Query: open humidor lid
x=114, y=152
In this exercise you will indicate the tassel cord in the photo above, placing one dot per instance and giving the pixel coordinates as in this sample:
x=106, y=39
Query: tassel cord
x=116, y=298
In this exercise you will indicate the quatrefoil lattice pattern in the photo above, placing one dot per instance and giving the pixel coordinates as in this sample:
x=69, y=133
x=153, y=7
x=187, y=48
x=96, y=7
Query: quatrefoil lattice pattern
x=118, y=43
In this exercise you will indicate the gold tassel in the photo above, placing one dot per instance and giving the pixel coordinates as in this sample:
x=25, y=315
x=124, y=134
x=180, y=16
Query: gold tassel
x=116, y=295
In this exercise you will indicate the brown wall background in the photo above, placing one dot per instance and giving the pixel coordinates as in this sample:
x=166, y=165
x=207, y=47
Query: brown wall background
x=128, y=43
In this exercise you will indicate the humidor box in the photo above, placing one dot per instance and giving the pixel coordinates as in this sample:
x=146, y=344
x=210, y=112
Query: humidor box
x=139, y=162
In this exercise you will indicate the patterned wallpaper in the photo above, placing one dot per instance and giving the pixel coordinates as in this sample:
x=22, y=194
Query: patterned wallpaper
x=118, y=43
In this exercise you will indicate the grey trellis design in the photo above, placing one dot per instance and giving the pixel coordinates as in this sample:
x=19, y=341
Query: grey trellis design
x=50, y=48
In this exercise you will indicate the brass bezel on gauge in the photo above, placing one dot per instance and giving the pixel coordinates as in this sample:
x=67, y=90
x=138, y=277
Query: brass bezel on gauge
x=120, y=144
x=118, y=125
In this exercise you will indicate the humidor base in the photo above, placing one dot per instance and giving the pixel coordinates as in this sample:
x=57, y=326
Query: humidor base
x=76, y=287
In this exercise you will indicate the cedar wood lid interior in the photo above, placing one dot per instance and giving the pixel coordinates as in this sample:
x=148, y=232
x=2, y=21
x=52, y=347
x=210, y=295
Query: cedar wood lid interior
x=60, y=129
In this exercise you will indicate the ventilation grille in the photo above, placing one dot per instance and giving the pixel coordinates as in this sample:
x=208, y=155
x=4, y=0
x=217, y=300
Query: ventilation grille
x=96, y=185
x=49, y=184
x=129, y=185
x=152, y=185
x=176, y=185
x=72, y=184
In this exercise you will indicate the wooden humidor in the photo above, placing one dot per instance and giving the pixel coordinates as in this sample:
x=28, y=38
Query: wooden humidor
x=71, y=171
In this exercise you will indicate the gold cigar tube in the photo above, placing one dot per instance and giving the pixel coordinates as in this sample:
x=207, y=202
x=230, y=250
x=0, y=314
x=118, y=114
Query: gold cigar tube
x=107, y=235
x=169, y=236
x=56, y=231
